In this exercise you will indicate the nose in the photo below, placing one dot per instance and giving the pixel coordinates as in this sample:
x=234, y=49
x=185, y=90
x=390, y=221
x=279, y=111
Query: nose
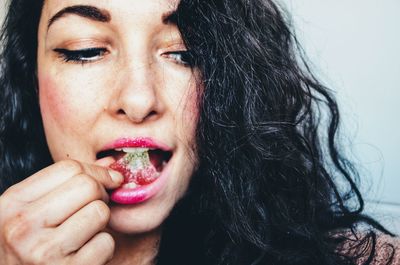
x=137, y=96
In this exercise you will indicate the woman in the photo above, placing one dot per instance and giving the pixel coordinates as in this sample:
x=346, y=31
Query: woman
x=212, y=99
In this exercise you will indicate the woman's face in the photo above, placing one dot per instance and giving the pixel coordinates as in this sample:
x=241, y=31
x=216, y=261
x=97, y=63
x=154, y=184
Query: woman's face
x=114, y=73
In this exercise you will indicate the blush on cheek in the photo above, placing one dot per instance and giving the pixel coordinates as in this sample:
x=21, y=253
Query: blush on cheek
x=53, y=105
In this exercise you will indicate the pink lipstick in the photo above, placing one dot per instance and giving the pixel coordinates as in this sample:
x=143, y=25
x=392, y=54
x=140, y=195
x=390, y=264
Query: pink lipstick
x=144, y=164
x=141, y=142
x=127, y=195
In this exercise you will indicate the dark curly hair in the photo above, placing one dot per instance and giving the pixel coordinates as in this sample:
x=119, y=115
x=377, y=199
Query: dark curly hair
x=266, y=190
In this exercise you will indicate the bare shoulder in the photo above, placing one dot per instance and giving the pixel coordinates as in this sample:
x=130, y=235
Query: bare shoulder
x=387, y=250
x=375, y=248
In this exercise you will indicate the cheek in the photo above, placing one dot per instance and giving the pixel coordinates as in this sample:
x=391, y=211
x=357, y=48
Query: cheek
x=192, y=109
x=188, y=119
x=53, y=104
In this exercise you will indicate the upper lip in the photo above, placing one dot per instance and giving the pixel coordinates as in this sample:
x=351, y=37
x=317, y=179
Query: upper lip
x=139, y=142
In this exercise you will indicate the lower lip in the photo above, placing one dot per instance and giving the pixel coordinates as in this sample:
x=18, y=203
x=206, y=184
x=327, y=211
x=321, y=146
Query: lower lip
x=142, y=193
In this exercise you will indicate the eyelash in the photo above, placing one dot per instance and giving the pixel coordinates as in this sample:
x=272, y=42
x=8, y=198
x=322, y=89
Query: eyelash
x=88, y=55
x=186, y=58
x=81, y=56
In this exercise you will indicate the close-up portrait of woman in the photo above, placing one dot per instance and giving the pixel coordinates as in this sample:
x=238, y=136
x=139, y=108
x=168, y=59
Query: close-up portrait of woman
x=172, y=133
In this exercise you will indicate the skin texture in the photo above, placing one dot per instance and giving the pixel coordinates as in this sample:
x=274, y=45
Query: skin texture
x=139, y=87
x=132, y=92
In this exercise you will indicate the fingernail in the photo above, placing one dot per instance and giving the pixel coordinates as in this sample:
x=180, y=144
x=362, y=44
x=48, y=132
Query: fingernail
x=116, y=176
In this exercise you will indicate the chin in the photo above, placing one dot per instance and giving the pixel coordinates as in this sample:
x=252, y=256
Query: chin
x=150, y=214
x=138, y=219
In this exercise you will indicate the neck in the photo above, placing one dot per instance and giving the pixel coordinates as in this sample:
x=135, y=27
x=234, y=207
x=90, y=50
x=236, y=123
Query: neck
x=136, y=249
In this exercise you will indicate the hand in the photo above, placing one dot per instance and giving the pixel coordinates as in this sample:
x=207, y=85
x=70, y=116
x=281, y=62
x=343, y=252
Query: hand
x=57, y=215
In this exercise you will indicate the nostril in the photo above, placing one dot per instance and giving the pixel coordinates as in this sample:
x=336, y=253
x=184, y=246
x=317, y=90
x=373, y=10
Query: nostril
x=136, y=117
x=151, y=114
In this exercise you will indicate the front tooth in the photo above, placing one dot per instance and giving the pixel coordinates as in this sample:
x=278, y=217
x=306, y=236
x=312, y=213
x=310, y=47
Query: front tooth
x=118, y=149
x=130, y=185
x=134, y=150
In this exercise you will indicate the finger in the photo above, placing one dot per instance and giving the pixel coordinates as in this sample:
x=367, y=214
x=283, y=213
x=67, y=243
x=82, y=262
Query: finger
x=61, y=203
x=105, y=162
x=49, y=178
x=98, y=251
x=82, y=226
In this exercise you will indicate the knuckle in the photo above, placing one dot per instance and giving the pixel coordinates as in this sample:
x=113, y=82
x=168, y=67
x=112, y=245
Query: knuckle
x=71, y=165
x=17, y=228
x=39, y=255
x=102, y=210
x=5, y=202
x=9, y=197
x=109, y=242
x=90, y=185
x=45, y=249
x=9, y=192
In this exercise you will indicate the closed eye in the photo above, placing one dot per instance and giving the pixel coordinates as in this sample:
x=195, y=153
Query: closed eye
x=185, y=58
x=82, y=55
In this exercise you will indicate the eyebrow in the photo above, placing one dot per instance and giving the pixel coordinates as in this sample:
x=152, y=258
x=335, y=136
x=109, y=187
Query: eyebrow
x=101, y=15
x=85, y=11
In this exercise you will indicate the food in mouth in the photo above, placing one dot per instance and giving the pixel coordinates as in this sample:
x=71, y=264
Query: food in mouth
x=138, y=167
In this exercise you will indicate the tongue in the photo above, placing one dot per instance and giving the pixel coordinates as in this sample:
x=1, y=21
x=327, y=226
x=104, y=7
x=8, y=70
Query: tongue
x=136, y=167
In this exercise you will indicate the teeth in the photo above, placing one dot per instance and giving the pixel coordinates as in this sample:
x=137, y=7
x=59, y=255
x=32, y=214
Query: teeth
x=130, y=185
x=132, y=150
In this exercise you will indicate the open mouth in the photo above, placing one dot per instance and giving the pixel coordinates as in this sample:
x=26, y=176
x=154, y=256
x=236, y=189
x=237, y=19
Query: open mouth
x=139, y=166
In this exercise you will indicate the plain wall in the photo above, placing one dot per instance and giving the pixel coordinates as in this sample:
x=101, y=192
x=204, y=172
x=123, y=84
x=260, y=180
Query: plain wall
x=355, y=48
x=2, y=10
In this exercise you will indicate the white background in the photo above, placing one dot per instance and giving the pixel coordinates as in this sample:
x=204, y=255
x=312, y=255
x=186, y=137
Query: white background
x=355, y=47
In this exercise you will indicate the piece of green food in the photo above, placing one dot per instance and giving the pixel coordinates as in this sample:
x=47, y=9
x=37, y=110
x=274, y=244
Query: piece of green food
x=136, y=167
